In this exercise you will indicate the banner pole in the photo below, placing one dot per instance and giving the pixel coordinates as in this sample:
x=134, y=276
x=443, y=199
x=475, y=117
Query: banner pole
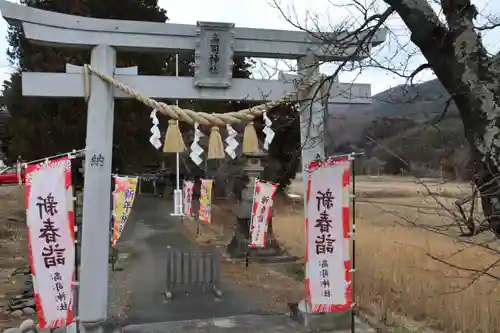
x=252, y=217
x=74, y=326
x=353, y=235
x=183, y=190
x=114, y=256
x=178, y=210
x=197, y=215
x=247, y=254
x=77, y=253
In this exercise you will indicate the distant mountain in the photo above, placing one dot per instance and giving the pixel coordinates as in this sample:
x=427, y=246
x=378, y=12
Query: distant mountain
x=420, y=103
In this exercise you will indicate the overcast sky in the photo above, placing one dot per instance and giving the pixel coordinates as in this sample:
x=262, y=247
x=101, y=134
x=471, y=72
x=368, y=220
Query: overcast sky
x=261, y=14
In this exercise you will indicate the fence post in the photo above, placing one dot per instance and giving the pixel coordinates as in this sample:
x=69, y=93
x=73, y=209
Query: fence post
x=216, y=273
x=169, y=275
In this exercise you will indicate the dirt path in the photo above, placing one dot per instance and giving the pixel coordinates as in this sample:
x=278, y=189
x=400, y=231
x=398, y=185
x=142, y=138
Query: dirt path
x=266, y=287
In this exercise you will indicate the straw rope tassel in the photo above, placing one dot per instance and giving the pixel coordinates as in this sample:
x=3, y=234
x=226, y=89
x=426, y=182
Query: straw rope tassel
x=250, y=140
x=173, y=138
x=215, y=145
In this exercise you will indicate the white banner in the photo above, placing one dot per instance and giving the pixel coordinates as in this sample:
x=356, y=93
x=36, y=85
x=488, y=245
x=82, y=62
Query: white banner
x=327, y=227
x=262, y=209
x=51, y=236
x=187, y=197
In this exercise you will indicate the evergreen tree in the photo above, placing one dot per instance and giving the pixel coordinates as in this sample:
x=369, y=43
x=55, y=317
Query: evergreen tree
x=43, y=126
x=40, y=127
x=284, y=151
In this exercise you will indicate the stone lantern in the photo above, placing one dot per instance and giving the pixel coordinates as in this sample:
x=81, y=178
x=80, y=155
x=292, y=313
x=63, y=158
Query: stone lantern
x=238, y=247
x=253, y=169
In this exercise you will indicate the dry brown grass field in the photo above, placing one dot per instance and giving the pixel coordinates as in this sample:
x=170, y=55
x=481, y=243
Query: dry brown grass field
x=398, y=259
x=396, y=274
x=13, y=246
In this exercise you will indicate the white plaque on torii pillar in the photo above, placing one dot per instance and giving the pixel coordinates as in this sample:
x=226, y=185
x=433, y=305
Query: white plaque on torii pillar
x=215, y=44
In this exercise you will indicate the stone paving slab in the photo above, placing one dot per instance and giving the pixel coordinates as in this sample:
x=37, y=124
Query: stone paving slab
x=269, y=323
x=243, y=324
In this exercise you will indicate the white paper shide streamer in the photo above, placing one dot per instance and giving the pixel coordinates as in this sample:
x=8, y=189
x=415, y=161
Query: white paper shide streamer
x=268, y=131
x=231, y=141
x=196, y=149
x=155, y=130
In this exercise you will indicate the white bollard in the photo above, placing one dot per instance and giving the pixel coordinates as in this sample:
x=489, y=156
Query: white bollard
x=177, y=203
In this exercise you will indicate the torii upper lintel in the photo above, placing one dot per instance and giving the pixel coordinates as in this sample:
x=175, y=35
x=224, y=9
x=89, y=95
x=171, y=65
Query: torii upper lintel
x=76, y=31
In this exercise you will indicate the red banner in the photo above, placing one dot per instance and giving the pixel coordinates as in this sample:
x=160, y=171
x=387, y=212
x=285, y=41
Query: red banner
x=328, y=264
x=51, y=237
x=187, y=198
x=263, y=200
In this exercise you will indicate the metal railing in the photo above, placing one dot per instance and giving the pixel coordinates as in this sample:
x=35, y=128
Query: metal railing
x=189, y=271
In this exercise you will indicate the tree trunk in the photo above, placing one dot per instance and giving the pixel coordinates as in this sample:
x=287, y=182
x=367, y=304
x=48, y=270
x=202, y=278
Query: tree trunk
x=486, y=179
x=458, y=58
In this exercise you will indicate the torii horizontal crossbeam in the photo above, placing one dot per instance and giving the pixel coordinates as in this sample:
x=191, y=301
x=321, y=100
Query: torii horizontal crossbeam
x=52, y=28
x=181, y=88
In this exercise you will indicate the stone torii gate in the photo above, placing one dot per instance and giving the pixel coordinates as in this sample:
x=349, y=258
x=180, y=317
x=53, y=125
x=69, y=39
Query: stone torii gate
x=212, y=81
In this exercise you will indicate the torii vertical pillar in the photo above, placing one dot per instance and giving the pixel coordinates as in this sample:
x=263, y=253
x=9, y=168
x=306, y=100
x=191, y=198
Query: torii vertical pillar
x=312, y=116
x=312, y=120
x=93, y=296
